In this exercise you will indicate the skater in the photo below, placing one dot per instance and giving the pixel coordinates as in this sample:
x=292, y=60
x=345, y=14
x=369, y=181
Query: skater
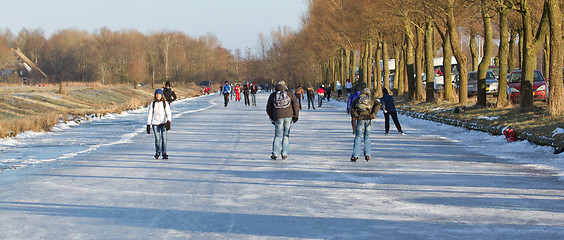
x=226, y=91
x=169, y=94
x=389, y=109
x=348, y=87
x=159, y=120
x=246, y=92
x=300, y=95
x=320, y=95
x=310, y=97
x=254, y=90
x=339, y=90
x=328, y=91
x=283, y=110
x=363, y=109
x=238, y=93
x=353, y=97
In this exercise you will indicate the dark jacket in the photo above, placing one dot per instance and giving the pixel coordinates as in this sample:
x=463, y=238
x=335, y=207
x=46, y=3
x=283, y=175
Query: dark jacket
x=388, y=103
x=246, y=90
x=276, y=113
x=169, y=94
x=310, y=93
x=364, y=115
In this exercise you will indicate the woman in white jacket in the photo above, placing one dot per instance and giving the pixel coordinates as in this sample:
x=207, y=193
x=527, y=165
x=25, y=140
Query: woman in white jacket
x=159, y=120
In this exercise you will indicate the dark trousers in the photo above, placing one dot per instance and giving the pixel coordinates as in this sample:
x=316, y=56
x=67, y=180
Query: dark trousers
x=247, y=101
x=310, y=100
x=226, y=98
x=387, y=121
x=299, y=102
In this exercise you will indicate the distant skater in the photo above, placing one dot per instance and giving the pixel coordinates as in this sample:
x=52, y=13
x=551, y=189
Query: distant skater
x=254, y=90
x=159, y=121
x=246, y=92
x=283, y=109
x=363, y=109
x=299, y=95
x=389, y=109
x=238, y=93
x=169, y=94
x=226, y=91
x=310, y=97
x=320, y=95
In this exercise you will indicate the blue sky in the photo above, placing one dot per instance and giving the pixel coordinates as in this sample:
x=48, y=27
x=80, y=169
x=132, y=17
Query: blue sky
x=236, y=23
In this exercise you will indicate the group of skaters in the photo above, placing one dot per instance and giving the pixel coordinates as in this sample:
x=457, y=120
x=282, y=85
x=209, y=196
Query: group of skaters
x=247, y=89
x=283, y=109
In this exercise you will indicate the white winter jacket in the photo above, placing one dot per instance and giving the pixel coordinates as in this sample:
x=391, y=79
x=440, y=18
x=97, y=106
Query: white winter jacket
x=160, y=115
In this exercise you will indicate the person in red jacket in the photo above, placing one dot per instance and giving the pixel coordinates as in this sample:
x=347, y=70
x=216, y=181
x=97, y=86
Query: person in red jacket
x=238, y=93
x=320, y=95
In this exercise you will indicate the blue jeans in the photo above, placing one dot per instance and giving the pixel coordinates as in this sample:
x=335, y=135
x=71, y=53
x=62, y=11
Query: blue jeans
x=160, y=139
x=254, y=99
x=281, y=132
x=362, y=127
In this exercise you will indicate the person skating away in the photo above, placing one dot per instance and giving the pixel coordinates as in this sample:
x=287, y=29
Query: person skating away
x=310, y=97
x=254, y=90
x=283, y=109
x=389, y=109
x=158, y=120
x=246, y=92
x=363, y=109
x=299, y=95
x=226, y=92
x=168, y=93
x=328, y=91
x=339, y=90
x=353, y=97
x=348, y=87
x=238, y=93
x=320, y=95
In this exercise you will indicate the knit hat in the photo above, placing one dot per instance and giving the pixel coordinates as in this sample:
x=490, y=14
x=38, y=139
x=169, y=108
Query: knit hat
x=159, y=91
x=281, y=82
x=366, y=91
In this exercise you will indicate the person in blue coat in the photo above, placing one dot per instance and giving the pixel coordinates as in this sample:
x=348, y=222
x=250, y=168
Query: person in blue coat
x=226, y=91
x=389, y=109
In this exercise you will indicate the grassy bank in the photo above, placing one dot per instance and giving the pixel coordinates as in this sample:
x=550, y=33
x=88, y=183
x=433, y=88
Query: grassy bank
x=40, y=108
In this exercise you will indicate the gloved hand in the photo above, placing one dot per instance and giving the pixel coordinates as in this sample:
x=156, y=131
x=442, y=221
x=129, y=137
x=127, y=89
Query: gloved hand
x=348, y=112
x=167, y=125
x=148, y=129
x=385, y=111
x=294, y=119
x=273, y=123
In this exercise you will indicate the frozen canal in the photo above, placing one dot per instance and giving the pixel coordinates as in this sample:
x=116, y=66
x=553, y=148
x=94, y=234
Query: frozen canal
x=99, y=180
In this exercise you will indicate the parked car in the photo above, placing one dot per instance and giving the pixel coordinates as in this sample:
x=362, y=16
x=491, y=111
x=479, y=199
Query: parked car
x=540, y=88
x=492, y=85
x=205, y=83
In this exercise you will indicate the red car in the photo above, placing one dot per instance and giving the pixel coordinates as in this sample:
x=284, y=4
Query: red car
x=540, y=88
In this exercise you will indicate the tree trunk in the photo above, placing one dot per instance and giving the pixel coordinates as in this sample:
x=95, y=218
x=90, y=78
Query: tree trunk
x=362, y=66
x=503, y=54
x=556, y=92
x=488, y=51
x=410, y=61
x=511, y=56
x=352, y=68
x=429, y=57
x=378, y=69
x=447, y=65
x=385, y=67
x=530, y=48
x=458, y=54
x=474, y=51
x=369, y=60
x=399, y=70
x=546, y=56
x=419, y=55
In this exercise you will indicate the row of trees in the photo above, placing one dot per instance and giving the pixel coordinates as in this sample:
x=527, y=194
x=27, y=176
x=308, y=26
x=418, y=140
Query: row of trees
x=121, y=57
x=339, y=36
